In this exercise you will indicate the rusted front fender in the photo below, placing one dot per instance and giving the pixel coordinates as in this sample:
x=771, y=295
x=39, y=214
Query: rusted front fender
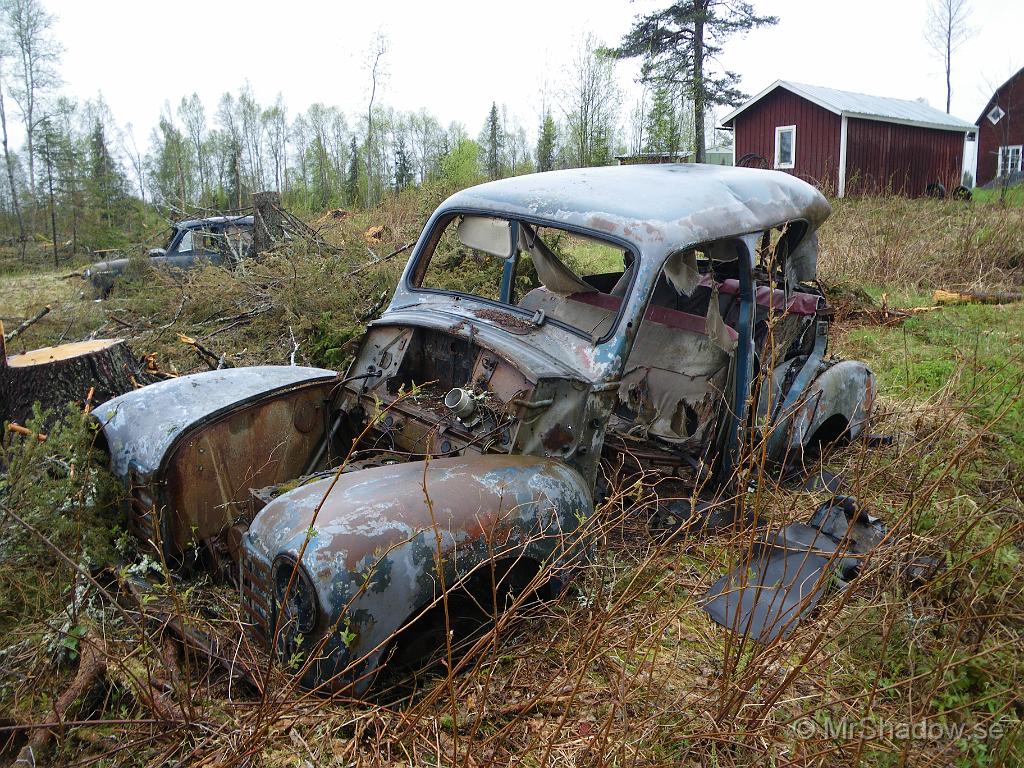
x=379, y=543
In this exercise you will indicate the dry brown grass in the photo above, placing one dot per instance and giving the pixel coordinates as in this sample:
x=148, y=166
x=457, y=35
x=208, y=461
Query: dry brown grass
x=922, y=244
x=625, y=669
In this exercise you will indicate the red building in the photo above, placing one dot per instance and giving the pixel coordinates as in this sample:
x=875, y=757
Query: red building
x=1001, y=131
x=850, y=143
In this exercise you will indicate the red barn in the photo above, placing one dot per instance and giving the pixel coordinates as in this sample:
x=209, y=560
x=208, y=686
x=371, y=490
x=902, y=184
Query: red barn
x=1001, y=131
x=849, y=143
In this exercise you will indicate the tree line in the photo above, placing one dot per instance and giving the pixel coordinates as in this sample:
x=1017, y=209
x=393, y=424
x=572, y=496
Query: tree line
x=82, y=181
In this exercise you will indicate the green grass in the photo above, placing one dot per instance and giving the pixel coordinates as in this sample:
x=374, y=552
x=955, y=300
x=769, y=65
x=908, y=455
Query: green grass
x=1014, y=195
x=971, y=355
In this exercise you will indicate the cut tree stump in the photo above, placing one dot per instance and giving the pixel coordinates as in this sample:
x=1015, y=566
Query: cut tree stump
x=55, y=376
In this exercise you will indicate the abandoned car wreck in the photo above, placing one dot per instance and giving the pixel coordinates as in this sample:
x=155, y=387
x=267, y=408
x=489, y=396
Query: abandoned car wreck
x=543, y=325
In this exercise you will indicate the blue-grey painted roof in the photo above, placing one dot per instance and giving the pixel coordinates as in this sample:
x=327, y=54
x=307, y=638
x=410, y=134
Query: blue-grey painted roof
x=659, y=207
x=140, y=426
x=850, y=104
x=214, y=220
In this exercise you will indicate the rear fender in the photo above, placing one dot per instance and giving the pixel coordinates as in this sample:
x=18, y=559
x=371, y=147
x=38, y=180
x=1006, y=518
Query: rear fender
x=839, y=400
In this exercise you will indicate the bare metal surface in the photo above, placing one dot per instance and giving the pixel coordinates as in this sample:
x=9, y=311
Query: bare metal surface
x=140, y=426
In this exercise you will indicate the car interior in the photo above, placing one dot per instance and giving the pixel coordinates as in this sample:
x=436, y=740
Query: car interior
x=679, y=367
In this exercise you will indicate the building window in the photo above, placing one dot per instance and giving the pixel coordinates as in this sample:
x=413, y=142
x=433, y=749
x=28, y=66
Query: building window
x=785, y=146
x=1009, y=160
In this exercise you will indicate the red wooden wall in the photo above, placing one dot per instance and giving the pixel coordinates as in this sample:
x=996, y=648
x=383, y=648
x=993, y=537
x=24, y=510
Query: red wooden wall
x=900, y=159
x=817, y=136
x=1007, y=132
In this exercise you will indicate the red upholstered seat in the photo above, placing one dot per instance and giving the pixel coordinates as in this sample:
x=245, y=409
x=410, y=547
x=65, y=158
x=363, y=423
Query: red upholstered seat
x=661, y=315
x=800, y=303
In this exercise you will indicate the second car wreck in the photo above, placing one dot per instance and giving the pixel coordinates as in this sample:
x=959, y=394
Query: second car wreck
x=543, y=326
x=216, y=239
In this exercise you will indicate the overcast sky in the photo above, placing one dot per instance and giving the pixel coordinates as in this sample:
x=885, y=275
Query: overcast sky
x=455, y=58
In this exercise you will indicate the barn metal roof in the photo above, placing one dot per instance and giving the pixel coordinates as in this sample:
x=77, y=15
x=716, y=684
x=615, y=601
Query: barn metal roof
x=860, y=105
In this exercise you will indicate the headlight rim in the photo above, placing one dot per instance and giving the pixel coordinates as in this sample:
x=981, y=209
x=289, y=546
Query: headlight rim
x=301, y=586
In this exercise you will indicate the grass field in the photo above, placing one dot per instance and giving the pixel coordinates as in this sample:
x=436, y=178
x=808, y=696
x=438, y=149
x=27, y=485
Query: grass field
x=626, y=670
x=1014, y=195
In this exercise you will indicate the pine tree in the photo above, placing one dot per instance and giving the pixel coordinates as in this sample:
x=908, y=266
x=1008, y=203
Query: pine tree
x=676, y=44
x=547, y=138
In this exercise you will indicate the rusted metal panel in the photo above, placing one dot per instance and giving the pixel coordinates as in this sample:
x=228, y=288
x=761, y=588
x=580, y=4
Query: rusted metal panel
x=817, y=136
x=213, y=467
x=886, y=158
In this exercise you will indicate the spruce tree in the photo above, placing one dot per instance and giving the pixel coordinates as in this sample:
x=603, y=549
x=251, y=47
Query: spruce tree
x=403, y=166
x=492, y=141
x=352, y=181
x=546, y=139
x=664, y=128
x=676, y=44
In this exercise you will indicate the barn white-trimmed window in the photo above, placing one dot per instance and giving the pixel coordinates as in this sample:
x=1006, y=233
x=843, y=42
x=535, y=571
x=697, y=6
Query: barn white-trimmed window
x=1009, y=160
x=785, y=146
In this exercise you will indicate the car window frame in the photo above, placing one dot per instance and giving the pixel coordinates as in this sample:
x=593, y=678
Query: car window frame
x=436, y=227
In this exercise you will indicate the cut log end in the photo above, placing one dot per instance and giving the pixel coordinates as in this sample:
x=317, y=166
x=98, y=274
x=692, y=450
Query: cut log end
x=55, y=376
x=45, y=355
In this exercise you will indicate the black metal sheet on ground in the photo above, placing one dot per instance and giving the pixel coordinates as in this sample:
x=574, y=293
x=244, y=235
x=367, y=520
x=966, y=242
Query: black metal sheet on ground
x=784, y=580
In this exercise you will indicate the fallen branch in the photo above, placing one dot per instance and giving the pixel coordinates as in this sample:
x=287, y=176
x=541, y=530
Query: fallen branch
x=381, y=260
x=120, y=322
x=212, y=359
x=977, y=297
x=28, y=323
x=191, y=638
x=303, y=230
x=20, y=430
x=91, y=667
x=295, y=346
x=88, y=403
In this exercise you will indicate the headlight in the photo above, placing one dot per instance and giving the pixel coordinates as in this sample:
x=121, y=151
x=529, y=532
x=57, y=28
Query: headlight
x=299, y=606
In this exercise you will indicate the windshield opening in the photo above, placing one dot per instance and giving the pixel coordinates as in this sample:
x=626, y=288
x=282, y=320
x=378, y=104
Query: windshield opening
x=523, y=265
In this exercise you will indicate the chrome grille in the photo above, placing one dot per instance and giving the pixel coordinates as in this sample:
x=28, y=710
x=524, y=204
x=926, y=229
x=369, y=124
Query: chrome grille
x=256, y=600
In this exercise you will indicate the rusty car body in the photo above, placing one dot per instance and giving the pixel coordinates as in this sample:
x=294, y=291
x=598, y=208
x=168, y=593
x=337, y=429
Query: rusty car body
x=544, y=326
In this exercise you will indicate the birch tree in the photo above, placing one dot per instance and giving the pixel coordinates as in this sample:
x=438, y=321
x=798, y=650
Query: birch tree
x=945, y=30
x=29, y=33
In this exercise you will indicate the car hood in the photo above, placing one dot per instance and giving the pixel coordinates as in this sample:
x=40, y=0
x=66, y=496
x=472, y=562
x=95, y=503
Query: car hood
x=140, y=426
